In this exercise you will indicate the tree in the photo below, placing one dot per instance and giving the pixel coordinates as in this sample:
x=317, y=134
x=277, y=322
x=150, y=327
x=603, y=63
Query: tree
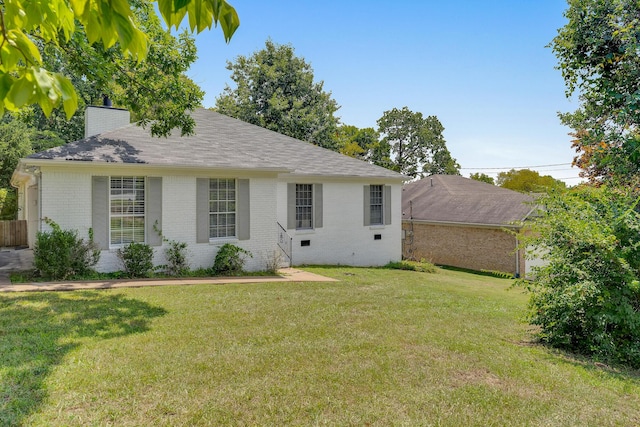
x=527, y=181
x=17, y=140
x=15, y=143
x=156, y=90
x=275, y=90
x=27, y=28
x=416, y=145
x=354, y=142
x=482, y=177
x=597, y=51
x=586, y=296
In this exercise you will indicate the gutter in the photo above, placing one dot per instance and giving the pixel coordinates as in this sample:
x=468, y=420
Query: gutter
x=21, y=175
x=94, y=164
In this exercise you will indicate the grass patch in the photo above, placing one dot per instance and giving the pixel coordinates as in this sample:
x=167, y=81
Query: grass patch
x=31, y=275
x=379, y=347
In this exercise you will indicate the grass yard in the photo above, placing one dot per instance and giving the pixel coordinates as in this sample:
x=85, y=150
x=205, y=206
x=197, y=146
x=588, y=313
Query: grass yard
x=380, y=347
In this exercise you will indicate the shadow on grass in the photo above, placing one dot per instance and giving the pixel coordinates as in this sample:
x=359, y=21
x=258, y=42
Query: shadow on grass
x=589, y=364
x=37, y=331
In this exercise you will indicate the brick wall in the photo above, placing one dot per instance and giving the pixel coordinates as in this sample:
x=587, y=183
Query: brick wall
x=475, y=248
x=104, y=119
x=66, y=199
x=344, y=239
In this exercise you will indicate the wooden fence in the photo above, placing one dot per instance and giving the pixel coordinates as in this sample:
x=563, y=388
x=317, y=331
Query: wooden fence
x=13, y=233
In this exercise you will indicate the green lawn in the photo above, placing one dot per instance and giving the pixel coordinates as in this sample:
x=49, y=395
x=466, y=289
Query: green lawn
x=379, y=347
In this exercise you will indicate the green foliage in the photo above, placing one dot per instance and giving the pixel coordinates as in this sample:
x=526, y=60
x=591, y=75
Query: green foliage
x=176, y=256
x=229, y=260
x=8, y=204
x=482, y=177
x=60, y=254
x=357, y=143
x=276, y=90
x=528, y=181
x=422, y=266
x=597, y=52
x=29, y=27
x=414, y=145
x=137, y=259
x=587, y=298
x=15, y=144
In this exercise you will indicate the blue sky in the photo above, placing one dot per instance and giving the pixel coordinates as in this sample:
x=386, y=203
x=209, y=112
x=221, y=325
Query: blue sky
x=481, y=67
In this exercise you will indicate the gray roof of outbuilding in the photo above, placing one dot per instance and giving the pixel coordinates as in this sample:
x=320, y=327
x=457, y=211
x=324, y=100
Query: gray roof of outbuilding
x=455, y=199
x=219, y=142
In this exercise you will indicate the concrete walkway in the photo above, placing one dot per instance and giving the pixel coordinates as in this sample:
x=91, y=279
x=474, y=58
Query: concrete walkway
x=285, y=275
x=11, y=260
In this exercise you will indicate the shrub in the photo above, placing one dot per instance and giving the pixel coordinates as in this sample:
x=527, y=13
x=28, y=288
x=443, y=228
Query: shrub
x=273, y=261
x=8, y=204
x=586, y=298
x=137, y=259
x=60, y=254
x=422, y=266
x=229, y=260
x=176, y=256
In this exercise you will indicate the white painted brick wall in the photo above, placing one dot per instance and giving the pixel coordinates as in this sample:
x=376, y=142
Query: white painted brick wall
x=179, y=221
x=103, y=119
x=343, y=239
x=66, y=199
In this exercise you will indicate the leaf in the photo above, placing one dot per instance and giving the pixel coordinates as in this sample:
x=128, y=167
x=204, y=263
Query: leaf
x=6, y=81
x=229, y=21
x=25, y=46
x=200, y=15
x=22, y=92
x=68, y=93
x=79, y=7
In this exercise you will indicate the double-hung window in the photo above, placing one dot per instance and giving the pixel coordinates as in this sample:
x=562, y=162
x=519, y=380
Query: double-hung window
x=127, y=209
x=304, y=206
x=222, y=208
x=375, y=204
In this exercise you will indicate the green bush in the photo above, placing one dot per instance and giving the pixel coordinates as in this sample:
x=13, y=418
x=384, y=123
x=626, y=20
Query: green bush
x=8, y=204
x=176, y=256
x=229, y=260
x=60, y=254
x=422, y=266
x=586, y=298
x=137, y=259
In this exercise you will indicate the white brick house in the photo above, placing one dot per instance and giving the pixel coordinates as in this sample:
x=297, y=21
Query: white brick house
x=230, y=182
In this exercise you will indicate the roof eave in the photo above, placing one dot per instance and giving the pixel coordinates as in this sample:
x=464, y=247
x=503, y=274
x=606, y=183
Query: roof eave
x=93, y=164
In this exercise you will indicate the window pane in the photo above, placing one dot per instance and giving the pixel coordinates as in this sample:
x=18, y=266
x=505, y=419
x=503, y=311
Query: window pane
x=304, y=206
x=376, y=210
x=222, y=207
x=127, y=209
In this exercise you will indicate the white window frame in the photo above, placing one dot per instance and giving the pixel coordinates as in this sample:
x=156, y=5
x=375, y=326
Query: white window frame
x=304, y=207
x=376, y=201
x=131, y=208
x=223, y=208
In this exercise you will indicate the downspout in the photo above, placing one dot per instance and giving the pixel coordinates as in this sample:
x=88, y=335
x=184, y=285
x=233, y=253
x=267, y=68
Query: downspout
x=517, y=259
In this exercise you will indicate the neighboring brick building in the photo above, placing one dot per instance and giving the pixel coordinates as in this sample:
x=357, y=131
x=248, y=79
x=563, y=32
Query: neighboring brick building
x=460, y=222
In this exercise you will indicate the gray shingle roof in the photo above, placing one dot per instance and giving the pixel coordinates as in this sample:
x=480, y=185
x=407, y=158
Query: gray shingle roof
x=454, y=199
x=219, y=142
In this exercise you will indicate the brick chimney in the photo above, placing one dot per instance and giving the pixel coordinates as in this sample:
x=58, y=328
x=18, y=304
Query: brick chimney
x=99, y=119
